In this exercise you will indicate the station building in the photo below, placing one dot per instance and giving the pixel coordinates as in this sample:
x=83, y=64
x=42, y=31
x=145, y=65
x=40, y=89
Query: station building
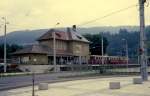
x=72, y=49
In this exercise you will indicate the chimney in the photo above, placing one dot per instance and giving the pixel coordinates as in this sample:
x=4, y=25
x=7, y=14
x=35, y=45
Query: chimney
x=74, y=28
x=68, y=29
x=52, y=30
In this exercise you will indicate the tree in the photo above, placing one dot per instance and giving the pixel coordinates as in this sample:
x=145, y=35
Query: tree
x=10, y=49
x=95, y=45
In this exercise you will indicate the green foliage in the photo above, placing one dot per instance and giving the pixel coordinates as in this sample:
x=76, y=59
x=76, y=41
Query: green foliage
x=117, y=45
x=96, y=46
x=147, y=30
x=10, y=49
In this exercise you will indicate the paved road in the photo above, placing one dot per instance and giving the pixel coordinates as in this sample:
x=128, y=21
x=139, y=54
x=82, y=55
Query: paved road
x=86, y=87
x=20, y=81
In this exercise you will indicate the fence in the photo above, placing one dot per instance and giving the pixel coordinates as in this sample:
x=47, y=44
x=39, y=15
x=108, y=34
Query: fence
x=132, y=68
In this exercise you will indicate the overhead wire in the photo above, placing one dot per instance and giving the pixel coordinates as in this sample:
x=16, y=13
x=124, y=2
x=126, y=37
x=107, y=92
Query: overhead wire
x=147, y=16
x=102, y=17
x=108, y=15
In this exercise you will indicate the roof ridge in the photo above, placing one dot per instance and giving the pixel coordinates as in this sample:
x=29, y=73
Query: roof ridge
x=64, y=35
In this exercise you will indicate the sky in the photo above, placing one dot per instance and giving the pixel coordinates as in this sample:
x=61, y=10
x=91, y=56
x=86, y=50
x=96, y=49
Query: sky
x=40, y=14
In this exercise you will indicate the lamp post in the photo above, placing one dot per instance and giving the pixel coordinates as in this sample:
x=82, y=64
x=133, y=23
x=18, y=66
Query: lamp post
x=102, y=52
x=5, y=41
x=127, y=56
x=54, y=48
x=54, y=51
x=33, y=78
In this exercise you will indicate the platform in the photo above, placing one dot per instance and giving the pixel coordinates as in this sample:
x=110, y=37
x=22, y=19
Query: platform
x=89, y=87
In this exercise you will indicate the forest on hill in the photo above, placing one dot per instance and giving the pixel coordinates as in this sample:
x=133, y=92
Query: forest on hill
x=113, y=41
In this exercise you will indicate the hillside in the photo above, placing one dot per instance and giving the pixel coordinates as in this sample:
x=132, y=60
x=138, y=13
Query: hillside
x=23, y=37
x=29, y=36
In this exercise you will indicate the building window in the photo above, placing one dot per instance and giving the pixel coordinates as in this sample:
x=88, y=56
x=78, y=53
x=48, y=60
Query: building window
x=25, y=59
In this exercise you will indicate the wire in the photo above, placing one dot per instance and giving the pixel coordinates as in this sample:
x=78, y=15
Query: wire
x=108, y=15
x=20, y=26
x=99, y=18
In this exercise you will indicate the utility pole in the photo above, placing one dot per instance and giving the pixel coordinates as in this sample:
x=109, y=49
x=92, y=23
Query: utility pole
x=143, y=61
x=102, y=46
x=54, y=48
x=80, y=60
x=127, y=54
x=5, y=42
x=102, y=52
x=33, y=84
x=33, y=78
x=54, y=51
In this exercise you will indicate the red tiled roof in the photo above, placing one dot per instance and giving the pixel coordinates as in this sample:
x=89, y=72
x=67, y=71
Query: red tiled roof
x=63, y=36
x=39, y=49
x=35, y=49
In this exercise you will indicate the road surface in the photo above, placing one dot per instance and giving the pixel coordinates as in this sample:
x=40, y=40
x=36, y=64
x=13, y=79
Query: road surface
x=20, y=81
x=86, y=87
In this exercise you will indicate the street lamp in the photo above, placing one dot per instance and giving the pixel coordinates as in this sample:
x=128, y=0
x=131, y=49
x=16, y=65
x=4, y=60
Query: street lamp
x=5, y=41
x=126, y=48
x=102, y=48
x=54, y=48
x=54, y=51
x=33, y=78
x=102, y=52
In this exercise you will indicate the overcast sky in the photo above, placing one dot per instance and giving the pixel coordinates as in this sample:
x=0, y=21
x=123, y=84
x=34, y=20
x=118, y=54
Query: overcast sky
x=35, y=14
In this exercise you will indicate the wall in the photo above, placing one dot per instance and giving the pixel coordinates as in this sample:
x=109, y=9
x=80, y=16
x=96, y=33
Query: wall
x=79, y=48
x=75, y=47
x=35, y=68
x=29, y=59
x=48, y=43
x=60, y=44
